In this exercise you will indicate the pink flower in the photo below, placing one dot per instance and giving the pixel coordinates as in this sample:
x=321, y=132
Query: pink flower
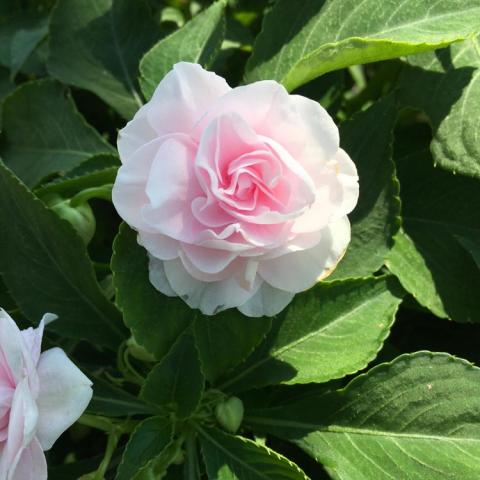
x=239, y=195
x=41, y=395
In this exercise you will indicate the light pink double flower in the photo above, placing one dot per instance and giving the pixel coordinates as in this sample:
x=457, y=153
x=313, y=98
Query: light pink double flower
x=240, y=195
x=41, y=395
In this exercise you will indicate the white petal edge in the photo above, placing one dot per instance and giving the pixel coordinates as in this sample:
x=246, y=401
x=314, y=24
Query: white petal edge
x=65, y=393
x=11, y=343
x=209, y=297
x=31, y=465
x=157, y=277
x=268, y=301
x=299, y=271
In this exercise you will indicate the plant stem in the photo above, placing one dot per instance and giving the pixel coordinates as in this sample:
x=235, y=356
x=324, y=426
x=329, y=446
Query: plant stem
x=104, y=192
x=192, y=468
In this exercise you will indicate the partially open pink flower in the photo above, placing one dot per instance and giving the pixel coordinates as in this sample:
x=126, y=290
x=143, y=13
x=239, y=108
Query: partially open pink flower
x=240, y=195
x=41, y=395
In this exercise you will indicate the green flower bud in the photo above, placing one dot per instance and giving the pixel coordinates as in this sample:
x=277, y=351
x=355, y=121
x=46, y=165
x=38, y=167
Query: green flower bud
x=80, y=217
x=138, y=352
x=229, y=414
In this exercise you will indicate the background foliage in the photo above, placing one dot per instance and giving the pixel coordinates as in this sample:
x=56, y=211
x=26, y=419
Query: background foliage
x=343, y=384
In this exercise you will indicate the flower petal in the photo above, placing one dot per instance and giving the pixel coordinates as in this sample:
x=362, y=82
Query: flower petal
x=12, y=349
x=183, y=96
x=161, y=246
x=31, y=464
x=21, y=428
x=157, y=277
x=179, y=101
x=128, y=193
x=170, y=188
x=209, y=297
x=268, y=301
x=299, y=124
x=208, y=260
x=65, y=393
x=298, y=271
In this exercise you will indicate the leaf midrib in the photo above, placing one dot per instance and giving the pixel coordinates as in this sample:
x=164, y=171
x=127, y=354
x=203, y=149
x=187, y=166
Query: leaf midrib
x=228, y=453
x=321, y=429
x=275, y=354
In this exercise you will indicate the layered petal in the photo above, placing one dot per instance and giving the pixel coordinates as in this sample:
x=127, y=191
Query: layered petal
x=31, y=464
x=128, y=193
x=170, y=190
x=299, y=124
x=12, y=349
x=180, y=99
x=300, y=270
x=267, y=301
x=240, y=195
x=209, y=297
x=65, y=393
x=21, y=429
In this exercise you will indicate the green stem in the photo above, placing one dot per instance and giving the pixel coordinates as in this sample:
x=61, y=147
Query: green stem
x=106, y=424
x=94, y=421
x=104, y=192
x=192, y=466
x=112, y=443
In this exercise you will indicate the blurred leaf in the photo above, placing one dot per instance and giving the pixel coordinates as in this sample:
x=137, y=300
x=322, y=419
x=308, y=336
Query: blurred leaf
x=328, y=332
x=177, y=382
x=157, y=321
x=299, y=43
x=445, y=86
x=472, y=246
x=230, y=457
x=427, y=258
x=148, y=440
x=74, y=471
x=45, y=266
x=112, y=401
x=6, y=85
x=156, y=469
x=226, y=339
x=367, y=138
x=416, y=417
x=20, y=34
x=43, y=133
x=97, y=45
x=71, y=184
x=198, y=41
x=94, y=164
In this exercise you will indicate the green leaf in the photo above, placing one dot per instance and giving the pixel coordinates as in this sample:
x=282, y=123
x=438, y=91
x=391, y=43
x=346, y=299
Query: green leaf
x=235, y=458
x=19, y=36
x=149, y=440
x=226, y=339
x=94, y=164
x=198, y=41
x=368, y=140
x=6, y=85
x=445, y=86
x=177, y=382
x=43, y=133
x=97, y=45
x=70, y=185
x=112, y=401
x=417, y=417
x=328, y=332
x=299, y=43
x=472, y=246
x=157, y=321
x=45, y=266
x=427, y=258
x=156, y=469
